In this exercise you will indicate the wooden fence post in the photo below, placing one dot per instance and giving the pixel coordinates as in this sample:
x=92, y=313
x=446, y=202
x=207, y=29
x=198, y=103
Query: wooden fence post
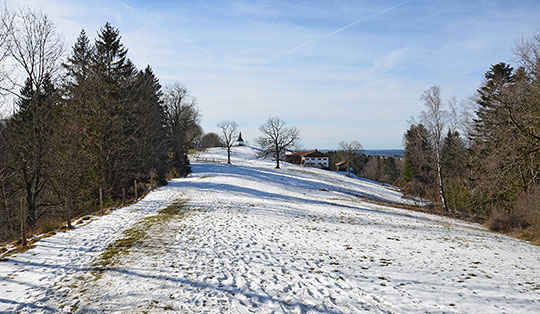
x=23, y=223
x=68, y=213
x=123, y=197
x=101, y=201
x=6, y=205
x=136, y=190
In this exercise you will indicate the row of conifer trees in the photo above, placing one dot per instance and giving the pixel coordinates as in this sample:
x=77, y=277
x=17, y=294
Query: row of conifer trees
x=93, y=123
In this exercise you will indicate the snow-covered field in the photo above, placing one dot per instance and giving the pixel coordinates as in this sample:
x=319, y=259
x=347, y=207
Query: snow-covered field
x=257, y=239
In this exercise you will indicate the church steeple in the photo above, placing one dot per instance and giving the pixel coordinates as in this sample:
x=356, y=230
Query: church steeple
x=240, y=140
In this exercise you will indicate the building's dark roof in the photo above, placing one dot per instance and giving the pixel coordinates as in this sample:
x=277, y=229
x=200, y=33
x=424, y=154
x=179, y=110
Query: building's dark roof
x=314, y=153
x=309, y=153
x=240, y=139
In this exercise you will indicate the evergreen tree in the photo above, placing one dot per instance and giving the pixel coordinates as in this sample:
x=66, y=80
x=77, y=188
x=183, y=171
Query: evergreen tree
x=489, y=98
x=390, y=171
x=494, y=143
x=455, y=155
x=151, y=133
x=111, y=56
x=112, y=111
x=455, y=166
x=420, y=176
x=29, y=135
x=408, y=169
x=79, y=62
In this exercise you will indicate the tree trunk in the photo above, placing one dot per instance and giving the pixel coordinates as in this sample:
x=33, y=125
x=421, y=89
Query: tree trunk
x=228, y=154
x=101, y=201
x=348, y=169
x=441, y=185
x=30, y=214
x=23, y=223
x=6, y=204
x=277, y=157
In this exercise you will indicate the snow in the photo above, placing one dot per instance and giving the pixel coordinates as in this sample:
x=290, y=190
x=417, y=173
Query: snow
x=257, y=239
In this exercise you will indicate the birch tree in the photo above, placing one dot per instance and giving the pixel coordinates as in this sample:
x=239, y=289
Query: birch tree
x=433, y=118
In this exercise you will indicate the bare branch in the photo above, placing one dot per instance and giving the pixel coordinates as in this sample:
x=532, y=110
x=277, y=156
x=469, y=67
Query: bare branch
x=277, y=138
x=228, y=135
x=348, y=152
x=35, y=47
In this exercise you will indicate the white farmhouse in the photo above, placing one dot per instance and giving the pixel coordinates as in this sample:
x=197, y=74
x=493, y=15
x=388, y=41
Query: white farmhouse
x=311, y=158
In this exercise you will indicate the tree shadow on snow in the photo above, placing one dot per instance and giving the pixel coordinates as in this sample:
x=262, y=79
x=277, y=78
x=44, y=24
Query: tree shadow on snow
x=261, y=194
x=130, y=272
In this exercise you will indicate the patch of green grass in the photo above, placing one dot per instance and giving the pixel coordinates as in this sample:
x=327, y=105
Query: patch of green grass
x=130, y=238
x=174, y=208
x=135, y=235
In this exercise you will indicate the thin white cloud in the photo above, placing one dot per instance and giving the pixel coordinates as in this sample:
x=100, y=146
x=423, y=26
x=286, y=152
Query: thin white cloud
x=364, y=85
x=313, y=40
x=389, y=61
x=126, y=5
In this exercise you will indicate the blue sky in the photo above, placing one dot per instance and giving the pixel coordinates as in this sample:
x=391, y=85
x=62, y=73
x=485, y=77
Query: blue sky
x=337, y=70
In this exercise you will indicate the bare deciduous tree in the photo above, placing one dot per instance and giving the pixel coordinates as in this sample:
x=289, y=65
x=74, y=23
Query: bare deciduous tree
x=434, y=120
x=277, y=138
x=35, y=49
x=228, y=135
x=183, y=122
x=6, y=29
x=348, y=152
x=525, y=117
x=34, y=45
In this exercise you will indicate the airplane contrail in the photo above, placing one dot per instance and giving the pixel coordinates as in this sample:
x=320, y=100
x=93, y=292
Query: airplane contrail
x=292, y=50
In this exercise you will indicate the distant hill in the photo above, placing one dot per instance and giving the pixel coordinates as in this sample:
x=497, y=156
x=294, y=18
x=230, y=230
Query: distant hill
x=385, y=152
x=377, y=152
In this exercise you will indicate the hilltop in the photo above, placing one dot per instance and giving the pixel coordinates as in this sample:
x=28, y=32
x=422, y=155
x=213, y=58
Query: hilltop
x=250, y=238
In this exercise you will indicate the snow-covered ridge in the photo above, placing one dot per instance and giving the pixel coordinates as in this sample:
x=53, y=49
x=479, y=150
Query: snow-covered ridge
x=293, y=176
x=259, y=239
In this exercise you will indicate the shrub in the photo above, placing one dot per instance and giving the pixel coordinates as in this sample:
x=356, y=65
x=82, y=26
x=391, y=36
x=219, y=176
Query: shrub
x=528, y=207
x=504, y=221
x=525, y=214
x=48, y=224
